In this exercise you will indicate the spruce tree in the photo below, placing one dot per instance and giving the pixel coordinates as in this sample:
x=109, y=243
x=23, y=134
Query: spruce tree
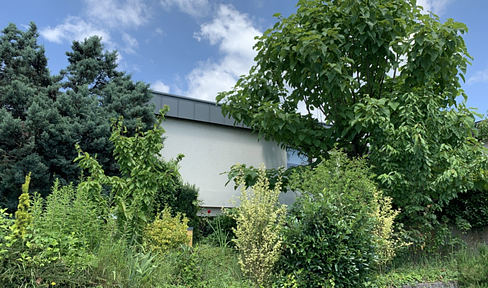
x=43, y=116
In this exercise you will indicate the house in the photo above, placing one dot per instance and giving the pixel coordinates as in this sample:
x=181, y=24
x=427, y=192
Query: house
x=212, y=144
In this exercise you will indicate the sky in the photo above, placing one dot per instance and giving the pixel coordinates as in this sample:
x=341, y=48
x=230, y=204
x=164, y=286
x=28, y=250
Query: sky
x=197, y=48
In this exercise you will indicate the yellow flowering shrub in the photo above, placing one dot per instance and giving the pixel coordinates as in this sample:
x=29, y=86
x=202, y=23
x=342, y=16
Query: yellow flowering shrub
x=166, y=232
x=387, y=244
x=260, y=219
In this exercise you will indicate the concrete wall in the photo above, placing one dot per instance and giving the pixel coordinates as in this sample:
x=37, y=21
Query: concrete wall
x=211, y=149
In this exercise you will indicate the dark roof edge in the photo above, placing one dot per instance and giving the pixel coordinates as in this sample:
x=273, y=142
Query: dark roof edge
x=192, y=109
x=185, y=97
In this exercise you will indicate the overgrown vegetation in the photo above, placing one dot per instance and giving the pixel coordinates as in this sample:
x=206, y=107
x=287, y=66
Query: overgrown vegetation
x=340, y=228
x=374, y=214
x=377, y=78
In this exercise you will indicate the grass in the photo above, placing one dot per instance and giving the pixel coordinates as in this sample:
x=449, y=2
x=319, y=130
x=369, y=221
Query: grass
x=201, y=266
x=431, y=269
x=468, y=266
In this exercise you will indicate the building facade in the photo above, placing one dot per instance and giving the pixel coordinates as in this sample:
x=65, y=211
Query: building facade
x=212, y=144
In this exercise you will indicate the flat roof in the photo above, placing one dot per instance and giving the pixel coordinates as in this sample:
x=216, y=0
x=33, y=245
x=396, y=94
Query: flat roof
x=192, y=109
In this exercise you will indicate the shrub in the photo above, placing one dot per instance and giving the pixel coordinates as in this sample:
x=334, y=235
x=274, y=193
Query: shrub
x=22, y=216
x=166, y=231
x=259, y=219
x=471, y=206
x=385, y=239
x=336, y=231
x=186, y=202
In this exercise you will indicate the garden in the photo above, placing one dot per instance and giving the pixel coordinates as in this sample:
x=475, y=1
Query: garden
x=396, y=177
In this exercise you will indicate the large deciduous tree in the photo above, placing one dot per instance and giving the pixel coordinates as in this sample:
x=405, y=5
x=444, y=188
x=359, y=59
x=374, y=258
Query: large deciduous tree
x=43, y=116
x=386, y=78
x=331, y=55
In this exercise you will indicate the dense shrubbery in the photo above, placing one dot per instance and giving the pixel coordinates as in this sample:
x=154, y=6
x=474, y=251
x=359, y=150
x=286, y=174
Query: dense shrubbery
x=337, y=232
x=470, y=207
x=67, y=238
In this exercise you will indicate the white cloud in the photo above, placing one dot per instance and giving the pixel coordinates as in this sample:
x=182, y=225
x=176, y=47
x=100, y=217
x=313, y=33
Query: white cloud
x=131, y=43
x=159, y=31
x=234, y=33
x=436, y=6
x=75, y=28
x=479, y=76
x=160, y=86
x=128, y=13
x=195, y=8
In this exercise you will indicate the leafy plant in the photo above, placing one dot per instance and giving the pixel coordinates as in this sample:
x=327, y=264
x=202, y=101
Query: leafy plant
x=142, y=175
x=221, y=230
x=336, y=232
x=166, y=232
x=424, y=157
x=259, y=219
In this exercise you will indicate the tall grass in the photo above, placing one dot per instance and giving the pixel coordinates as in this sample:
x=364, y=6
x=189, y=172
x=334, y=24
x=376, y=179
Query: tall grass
x=473, y=267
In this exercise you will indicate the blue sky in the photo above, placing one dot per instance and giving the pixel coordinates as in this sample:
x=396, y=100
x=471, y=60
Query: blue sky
x=197, y=48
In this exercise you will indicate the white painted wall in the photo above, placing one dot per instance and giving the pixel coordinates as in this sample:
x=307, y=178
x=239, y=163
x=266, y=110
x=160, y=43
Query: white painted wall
x=211, y=149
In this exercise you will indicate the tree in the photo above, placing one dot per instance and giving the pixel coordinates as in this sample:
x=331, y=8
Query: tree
x=386, y=78
x=43, y=116
x=330, y=56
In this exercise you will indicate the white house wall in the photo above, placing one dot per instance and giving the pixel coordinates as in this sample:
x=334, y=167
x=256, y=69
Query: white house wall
x=211, y=149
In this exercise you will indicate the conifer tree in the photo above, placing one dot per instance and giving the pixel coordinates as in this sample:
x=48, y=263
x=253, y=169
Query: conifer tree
x=42, y=116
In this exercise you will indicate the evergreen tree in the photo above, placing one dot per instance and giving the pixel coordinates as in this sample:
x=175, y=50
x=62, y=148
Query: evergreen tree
x=43, y=116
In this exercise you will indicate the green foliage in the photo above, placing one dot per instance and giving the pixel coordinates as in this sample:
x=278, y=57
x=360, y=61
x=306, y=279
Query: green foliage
x=250, y=175
x=23, y=217
x=143, y=175
x=335, y=234
x=384, y=80
x=166, y=232
x=473, y=267
x=424, y=156
x=259, y=219
x=470, y=207
x=184, y=199
x=57, y=245
x=331, y=55
x=43, y=116
x=219, y=230
x=482, y=130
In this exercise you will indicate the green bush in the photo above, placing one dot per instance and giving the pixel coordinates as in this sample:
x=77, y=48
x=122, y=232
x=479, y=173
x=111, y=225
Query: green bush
x=186, y=203
x=329, y=238
x=166, y=232
x=219, y=230
x=471, y=206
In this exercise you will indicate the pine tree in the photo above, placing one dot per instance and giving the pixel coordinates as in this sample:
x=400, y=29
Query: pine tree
x=42, y=116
